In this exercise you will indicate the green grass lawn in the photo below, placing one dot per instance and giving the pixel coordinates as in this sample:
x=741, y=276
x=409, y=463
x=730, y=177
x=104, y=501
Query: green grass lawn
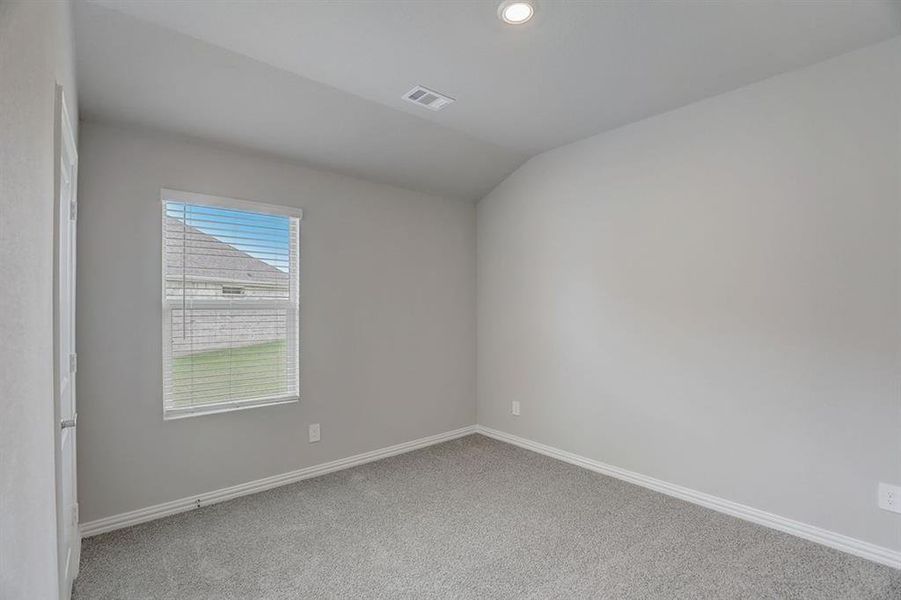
x=236, y=374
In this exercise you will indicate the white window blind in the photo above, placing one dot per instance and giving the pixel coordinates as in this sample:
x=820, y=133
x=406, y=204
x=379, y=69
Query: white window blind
x=230, y=304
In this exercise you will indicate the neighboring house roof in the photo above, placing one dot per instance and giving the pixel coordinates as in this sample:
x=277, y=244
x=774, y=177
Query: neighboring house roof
x=210, y=258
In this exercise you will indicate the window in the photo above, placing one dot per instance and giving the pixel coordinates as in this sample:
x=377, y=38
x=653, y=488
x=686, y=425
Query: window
x=230, y=304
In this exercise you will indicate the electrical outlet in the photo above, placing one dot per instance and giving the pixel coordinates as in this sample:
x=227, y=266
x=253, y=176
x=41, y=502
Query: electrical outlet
x=515, y=408
x=314, y=433
x=890, y=497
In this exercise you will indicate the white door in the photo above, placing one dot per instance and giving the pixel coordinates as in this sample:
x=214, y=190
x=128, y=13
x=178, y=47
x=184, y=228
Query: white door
x=64, y=343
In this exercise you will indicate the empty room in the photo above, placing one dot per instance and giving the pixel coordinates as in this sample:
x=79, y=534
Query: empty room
x=451, y=299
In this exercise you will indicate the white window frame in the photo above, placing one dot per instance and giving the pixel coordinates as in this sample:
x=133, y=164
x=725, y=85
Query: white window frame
x=292, y=306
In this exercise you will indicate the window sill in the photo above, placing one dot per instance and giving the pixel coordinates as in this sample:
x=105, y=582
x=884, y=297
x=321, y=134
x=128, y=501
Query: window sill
x=172, y=414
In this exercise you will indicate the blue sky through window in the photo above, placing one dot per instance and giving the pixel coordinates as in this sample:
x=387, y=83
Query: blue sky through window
x=265, y=237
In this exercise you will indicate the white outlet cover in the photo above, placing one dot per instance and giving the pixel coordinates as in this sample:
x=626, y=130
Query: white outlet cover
x=314, y=432
x=515, y=408
x=890, y=497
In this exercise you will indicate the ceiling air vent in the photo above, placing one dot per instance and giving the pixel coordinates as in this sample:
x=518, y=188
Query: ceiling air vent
x=430, y=99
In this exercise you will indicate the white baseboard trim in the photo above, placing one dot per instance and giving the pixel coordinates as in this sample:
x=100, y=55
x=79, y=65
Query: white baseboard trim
x=166, y=509
x=879, y=554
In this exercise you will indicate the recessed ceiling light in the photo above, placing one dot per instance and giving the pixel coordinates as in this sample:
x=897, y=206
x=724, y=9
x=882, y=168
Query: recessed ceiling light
x=515, y=12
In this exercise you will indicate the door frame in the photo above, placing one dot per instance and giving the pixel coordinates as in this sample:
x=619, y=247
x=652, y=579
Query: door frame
x=64, y=145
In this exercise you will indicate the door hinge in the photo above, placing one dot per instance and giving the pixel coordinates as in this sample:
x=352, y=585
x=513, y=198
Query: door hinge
x=73, y=211
x=73, y=362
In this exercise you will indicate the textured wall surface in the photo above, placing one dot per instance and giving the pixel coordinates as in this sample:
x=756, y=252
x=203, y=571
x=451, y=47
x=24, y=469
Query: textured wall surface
x=387, y=322
x=711, y=296
x=35, y=55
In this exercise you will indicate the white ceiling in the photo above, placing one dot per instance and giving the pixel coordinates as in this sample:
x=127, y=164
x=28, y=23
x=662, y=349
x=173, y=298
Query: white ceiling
x=577, y=69
x=130, y=71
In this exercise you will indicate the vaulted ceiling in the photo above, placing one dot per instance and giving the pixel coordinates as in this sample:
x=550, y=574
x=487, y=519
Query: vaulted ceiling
x=321, y=81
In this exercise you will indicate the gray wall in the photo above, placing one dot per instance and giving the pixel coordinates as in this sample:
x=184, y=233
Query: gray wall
x=711, y=296
x=387, y=322
x=35, y=54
